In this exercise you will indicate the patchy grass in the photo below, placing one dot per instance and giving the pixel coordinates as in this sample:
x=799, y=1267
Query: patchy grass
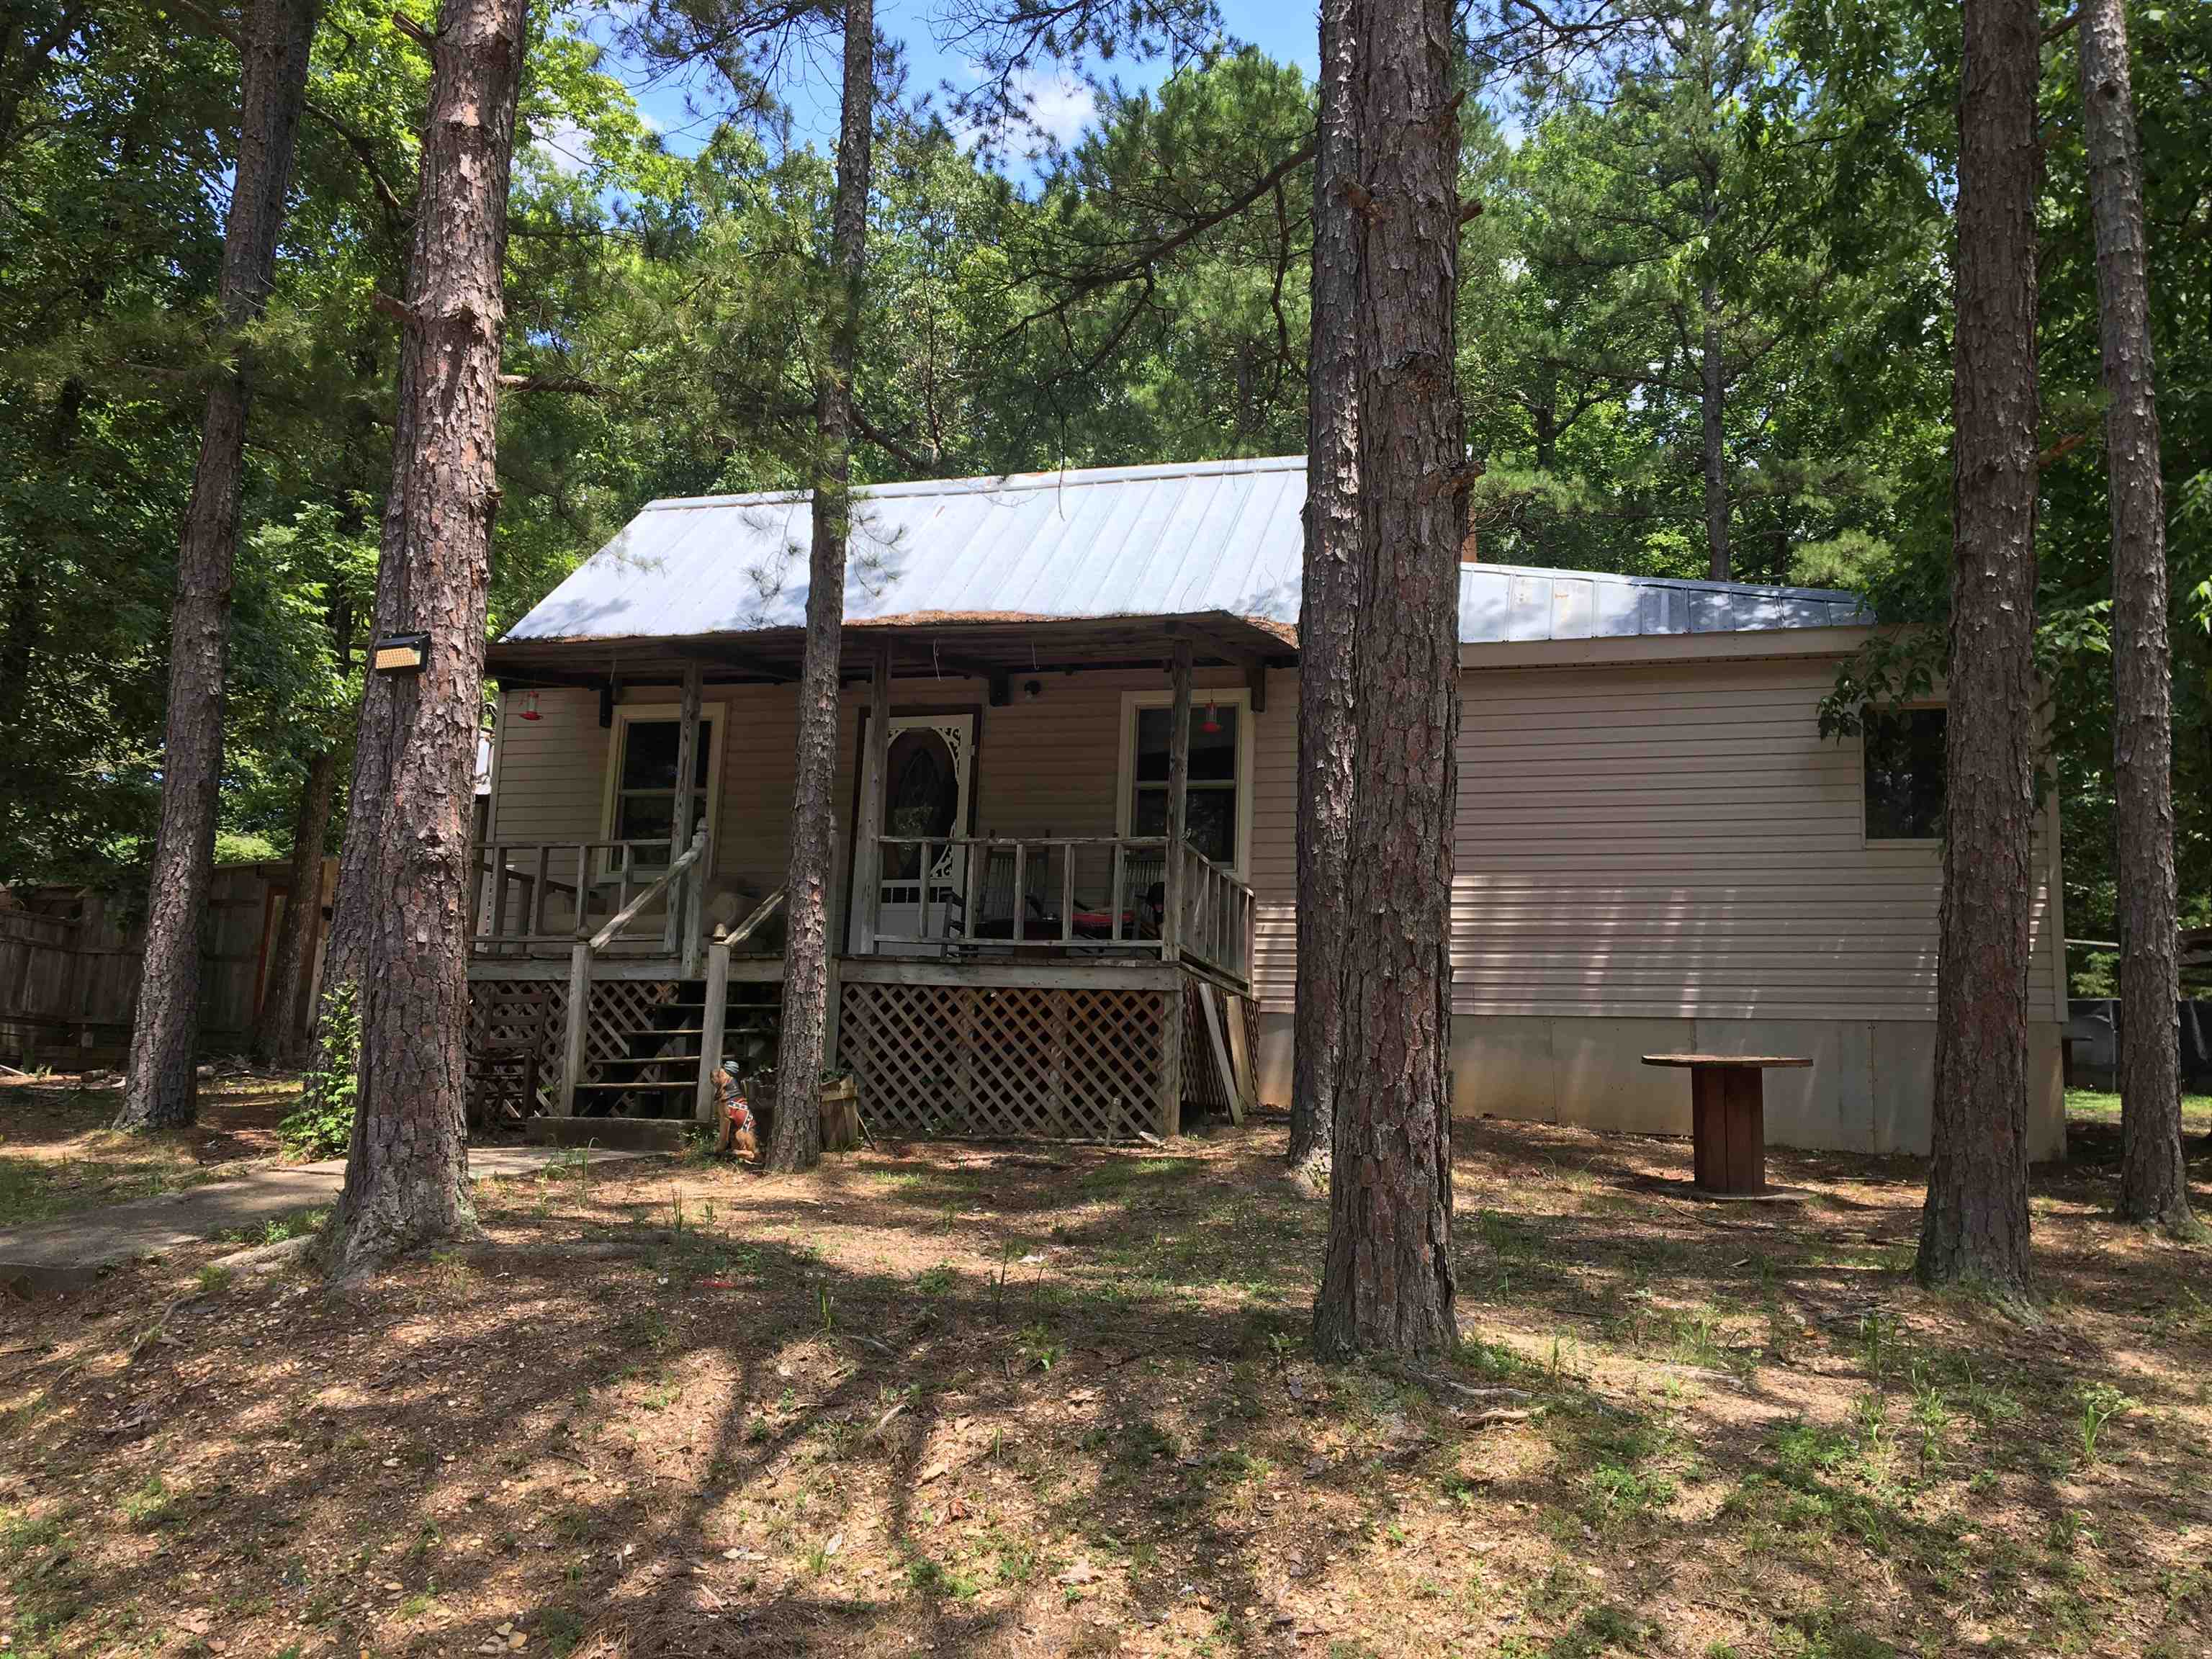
x=962, y=1401
x=58, y=1156
x=2098, y=1106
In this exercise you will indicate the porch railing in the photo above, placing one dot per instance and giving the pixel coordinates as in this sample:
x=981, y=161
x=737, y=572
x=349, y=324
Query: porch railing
x=1072, y=896
x=1217, y=920
x=524, y=897
x=680, y=929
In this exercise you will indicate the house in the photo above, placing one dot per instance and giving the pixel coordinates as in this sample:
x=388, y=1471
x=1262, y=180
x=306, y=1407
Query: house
x=1655, y=847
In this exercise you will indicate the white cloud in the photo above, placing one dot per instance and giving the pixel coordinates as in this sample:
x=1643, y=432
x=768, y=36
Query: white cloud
x=566, y=148
x=1060, y=105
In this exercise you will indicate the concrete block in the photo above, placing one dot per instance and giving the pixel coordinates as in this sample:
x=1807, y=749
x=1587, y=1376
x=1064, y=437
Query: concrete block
x=1502, y=1066
x=1602, y=1083
x=1272, y=1058
x=1902, y=1074
x=1804, y=1105
x=2047, y=1092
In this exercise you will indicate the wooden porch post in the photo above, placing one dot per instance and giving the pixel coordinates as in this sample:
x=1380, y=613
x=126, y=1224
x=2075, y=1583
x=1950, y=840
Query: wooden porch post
x=1172, y=1012
x=710, y=1034
x=679, y=831
x=868, y=850
x=579, y=1019
x=1178, y=797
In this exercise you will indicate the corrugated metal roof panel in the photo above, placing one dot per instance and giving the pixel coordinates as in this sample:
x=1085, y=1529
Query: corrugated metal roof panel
x=1106, y=542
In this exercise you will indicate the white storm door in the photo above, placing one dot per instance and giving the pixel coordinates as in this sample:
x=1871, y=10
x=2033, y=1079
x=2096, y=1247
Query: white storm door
x=928, y=772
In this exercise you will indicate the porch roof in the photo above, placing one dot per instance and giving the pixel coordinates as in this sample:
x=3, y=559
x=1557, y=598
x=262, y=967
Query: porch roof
x=1107, y=555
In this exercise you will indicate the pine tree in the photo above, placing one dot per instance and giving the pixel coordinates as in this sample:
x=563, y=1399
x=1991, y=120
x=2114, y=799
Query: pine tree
x=2154, y=1170
x=1329, y=603
x=401, y=937
x=1386, y=1284
x=161, y=1089
x=797, y=1143
x=1974, y=1228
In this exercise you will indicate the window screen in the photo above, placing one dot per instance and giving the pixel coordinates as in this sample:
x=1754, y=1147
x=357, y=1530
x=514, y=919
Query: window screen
x=645, y=798
x=1905, y=775
x=1210, y=798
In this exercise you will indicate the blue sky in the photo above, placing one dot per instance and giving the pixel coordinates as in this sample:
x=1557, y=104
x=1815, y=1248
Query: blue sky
x=1288, y=32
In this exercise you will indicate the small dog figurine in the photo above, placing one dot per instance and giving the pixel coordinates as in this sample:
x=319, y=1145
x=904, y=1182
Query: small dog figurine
x=738, y=1132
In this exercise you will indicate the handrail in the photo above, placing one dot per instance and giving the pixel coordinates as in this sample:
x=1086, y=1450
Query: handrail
x=628, y=912
x=1211, y=924
x=766, y=908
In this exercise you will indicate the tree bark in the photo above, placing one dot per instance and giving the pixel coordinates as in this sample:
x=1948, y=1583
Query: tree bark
x=280, y=1025
x=159, y=1090
x=1387, y=1283
x=1975, y=1225
x=1328, y=606
x=2154, y=1168
x=401, y=928
x=796, y=1143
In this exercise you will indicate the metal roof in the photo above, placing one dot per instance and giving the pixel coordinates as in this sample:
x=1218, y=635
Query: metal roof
x=1103, y=541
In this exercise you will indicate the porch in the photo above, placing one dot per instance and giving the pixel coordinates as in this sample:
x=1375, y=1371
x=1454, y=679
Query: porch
x=1080, y=986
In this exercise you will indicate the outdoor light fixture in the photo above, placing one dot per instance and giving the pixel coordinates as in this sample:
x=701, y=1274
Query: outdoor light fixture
x=401, y=653
x=529, y=706
x=1213, y=719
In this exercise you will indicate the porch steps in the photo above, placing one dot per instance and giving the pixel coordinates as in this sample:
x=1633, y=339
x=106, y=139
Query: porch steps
x=653, y=1079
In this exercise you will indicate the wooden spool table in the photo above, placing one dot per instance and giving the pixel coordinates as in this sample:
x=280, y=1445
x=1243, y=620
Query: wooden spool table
x=1727, y=1120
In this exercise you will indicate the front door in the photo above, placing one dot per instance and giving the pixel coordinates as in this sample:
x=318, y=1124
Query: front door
x=926, y=774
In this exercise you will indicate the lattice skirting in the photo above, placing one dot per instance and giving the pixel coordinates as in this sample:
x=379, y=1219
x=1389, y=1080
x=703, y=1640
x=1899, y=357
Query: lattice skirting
x=514, y=1048
x=1007, y=1062
x=518, y=1039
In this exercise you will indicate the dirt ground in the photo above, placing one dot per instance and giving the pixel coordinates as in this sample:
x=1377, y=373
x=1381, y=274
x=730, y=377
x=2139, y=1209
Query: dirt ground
x=1026, y=1401
x=58, y=1155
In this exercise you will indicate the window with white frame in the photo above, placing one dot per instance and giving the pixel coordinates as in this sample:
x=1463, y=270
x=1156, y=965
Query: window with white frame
x=1217, y=804
x=641, y=794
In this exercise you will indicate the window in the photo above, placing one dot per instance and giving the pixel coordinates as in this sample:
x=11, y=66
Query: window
x=1904, y=775
x=643, y=808
x=1212, y=803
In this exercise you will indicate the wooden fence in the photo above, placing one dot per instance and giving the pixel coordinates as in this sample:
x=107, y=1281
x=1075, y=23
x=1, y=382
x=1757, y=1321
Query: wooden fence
x=70, y=967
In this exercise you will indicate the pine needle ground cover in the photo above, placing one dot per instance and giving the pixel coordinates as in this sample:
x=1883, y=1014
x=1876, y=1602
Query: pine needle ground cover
x=1012, y=1402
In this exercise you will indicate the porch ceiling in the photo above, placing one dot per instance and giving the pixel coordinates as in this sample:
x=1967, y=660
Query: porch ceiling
x=983, y=647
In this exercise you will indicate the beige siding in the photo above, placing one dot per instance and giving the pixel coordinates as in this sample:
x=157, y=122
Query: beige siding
x=1675, y=842
x=1046, y=766
x=1665, y=841
x=549, y=778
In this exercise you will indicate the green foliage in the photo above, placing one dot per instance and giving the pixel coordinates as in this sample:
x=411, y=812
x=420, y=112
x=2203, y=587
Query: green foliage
x=1763, y=182
x=321, y=1126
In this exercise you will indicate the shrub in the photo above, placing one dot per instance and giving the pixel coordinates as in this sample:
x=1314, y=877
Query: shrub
x=321, y=1125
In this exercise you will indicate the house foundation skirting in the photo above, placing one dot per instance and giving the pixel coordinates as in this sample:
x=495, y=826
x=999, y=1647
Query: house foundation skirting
x=946, y=1056
x=1869, y=1089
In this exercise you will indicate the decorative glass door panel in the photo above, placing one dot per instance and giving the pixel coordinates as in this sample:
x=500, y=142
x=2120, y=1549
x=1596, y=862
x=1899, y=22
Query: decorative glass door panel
x=926, y=773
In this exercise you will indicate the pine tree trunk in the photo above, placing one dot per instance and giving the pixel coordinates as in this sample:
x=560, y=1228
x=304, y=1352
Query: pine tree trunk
x=1329, y=605
x=796, y=1143
x=402, y=929
x=1386, y=1284
x=158, y=1090
x=2154, y=1170
x=1975, y=1226
x=279, y=1024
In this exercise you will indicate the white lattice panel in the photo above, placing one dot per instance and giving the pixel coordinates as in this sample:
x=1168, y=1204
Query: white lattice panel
x=997, y=1063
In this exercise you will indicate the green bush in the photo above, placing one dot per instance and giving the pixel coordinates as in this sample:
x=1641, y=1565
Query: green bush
x=321, y=1125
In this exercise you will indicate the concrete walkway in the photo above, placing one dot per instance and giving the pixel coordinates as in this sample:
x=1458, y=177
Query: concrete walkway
x=61, y=1254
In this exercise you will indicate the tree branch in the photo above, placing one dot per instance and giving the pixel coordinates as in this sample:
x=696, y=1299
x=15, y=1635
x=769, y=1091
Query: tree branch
x=883, y=441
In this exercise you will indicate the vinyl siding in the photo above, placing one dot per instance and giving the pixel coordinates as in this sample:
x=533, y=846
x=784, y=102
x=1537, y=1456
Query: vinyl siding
x=1650, y=840
x=1679, y=841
